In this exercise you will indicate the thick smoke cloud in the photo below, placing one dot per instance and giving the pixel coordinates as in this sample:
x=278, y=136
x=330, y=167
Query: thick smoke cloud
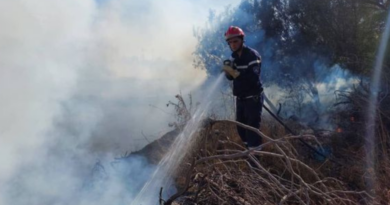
x=41, y=52
x=77, y=82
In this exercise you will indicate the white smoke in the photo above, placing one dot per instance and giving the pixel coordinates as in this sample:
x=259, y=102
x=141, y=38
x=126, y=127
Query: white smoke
x=77, y=78
x=41, y=52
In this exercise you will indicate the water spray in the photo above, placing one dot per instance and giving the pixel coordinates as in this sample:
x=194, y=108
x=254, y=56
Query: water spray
x=182, y=144
x=372, y=110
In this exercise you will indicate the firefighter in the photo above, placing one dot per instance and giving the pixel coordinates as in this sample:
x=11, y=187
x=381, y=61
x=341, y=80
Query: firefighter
x=244, y=70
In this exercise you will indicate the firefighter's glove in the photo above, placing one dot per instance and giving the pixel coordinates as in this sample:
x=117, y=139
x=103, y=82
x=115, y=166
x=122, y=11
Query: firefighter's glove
x=229, y=70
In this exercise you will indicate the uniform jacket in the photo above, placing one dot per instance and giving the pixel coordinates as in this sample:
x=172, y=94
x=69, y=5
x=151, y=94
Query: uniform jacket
x=248, y=83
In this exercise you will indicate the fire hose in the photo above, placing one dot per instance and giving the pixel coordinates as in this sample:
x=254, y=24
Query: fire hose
x=294, y=133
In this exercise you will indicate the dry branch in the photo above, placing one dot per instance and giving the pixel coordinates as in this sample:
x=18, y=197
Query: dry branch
x=268, y=174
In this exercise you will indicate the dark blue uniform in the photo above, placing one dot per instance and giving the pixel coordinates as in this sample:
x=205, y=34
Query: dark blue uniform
x=248, y=90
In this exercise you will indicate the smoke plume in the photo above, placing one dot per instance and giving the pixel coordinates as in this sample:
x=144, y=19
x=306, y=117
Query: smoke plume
x=80, y=83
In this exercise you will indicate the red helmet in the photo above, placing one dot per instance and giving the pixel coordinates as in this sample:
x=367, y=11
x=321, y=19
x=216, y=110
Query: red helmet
x=234, y=31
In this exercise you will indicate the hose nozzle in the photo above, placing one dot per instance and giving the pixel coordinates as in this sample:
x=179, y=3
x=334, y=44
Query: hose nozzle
x=227, y=62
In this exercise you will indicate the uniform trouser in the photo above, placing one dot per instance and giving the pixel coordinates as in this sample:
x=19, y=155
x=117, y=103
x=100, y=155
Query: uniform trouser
x=248, y=111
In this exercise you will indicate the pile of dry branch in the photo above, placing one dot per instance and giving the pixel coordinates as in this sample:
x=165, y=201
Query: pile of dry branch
x=220, y=170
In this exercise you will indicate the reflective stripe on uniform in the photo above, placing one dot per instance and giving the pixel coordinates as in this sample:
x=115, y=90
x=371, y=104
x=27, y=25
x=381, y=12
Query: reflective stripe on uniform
x=254, y=62
x=242, y=67
x=249, y=64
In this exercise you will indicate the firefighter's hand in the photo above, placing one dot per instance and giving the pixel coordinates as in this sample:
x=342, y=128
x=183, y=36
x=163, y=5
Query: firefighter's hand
x=229, y=70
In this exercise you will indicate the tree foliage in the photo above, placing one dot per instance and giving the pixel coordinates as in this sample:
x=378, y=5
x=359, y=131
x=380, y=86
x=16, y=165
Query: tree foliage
x=297, y=33
x=300, y=43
